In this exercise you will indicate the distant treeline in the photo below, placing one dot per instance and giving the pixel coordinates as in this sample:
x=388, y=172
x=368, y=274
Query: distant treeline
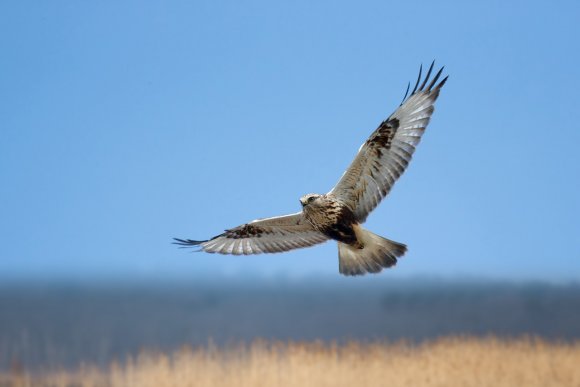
x=63, y=325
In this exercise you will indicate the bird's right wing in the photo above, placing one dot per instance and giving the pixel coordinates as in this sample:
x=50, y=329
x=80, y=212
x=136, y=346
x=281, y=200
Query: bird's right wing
x=271, y=235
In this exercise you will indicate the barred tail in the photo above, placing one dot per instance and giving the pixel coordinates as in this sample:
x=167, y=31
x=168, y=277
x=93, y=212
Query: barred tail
x=377, y=253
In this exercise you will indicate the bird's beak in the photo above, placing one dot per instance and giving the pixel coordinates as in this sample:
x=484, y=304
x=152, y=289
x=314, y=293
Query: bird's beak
x=302, y=202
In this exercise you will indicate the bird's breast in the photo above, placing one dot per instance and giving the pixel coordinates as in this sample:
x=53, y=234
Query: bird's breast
x=333, y=219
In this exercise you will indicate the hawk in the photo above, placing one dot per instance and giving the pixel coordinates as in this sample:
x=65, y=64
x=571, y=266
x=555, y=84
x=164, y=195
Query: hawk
x=338, y=214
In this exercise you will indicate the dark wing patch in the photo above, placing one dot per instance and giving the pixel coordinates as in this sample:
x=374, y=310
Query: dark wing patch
x=244, y=231
x=382, y=138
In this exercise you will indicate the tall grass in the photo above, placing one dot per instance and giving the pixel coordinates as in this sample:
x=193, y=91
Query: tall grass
x=445, y=362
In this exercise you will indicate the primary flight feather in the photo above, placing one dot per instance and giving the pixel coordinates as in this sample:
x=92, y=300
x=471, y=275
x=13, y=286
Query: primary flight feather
x=338, y=215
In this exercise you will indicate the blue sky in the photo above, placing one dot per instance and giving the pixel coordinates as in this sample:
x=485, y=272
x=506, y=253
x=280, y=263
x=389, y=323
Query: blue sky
x=124, y=124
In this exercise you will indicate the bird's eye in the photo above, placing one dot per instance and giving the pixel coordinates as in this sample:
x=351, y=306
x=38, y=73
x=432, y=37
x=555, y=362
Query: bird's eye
x=311, y=199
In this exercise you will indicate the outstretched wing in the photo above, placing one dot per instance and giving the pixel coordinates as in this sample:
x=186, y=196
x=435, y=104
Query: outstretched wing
x=271, y=235
x=385, y=155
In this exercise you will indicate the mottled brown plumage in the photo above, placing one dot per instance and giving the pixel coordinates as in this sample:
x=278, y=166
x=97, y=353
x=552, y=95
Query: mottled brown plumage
x=331, y=217
x=338, y=215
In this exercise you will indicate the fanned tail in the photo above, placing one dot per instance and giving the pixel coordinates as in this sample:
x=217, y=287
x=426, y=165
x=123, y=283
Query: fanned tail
x=377, y=253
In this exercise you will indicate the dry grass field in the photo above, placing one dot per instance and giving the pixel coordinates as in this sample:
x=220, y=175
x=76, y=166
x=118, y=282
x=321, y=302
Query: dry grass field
x=445, y=362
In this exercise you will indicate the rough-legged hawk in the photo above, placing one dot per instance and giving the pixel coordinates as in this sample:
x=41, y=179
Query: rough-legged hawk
x=339, y=214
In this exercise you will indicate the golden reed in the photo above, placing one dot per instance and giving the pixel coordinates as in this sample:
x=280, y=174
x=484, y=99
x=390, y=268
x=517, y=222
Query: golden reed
x=445, y=362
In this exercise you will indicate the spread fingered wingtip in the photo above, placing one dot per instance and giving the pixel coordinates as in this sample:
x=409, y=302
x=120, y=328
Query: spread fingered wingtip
x=440, y=85
x=418, y=79
x=427, y=76
x=435, y=79
x=423, y=86
x=187, y=242
x=406, y=93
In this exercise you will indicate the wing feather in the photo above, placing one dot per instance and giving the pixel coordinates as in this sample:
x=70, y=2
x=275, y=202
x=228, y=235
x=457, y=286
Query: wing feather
x=383, y=158
x=271, y=235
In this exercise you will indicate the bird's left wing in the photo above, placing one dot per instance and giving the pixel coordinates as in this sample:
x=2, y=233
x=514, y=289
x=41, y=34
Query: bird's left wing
x=271, y=235
x=385, y=155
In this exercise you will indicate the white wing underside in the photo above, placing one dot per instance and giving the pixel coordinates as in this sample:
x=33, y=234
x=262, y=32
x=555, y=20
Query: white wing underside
x=383, y=157
x=270, y=235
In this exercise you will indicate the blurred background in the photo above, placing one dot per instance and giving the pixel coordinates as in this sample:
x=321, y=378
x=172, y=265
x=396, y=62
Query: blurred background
x=124, y=125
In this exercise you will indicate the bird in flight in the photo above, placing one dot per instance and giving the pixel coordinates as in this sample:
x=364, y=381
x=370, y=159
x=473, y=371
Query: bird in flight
x=338, y=214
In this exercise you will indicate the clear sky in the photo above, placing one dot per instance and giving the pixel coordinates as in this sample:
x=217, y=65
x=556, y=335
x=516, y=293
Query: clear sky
x=124, y=124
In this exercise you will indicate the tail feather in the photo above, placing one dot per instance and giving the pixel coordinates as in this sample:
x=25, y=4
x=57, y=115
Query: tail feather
x=376, y=253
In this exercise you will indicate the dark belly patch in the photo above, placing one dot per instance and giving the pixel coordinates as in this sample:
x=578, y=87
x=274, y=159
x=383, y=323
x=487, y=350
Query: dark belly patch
x=340, y=232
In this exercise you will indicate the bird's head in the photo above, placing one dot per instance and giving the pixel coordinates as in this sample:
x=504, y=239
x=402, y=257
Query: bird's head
x=309, y=199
